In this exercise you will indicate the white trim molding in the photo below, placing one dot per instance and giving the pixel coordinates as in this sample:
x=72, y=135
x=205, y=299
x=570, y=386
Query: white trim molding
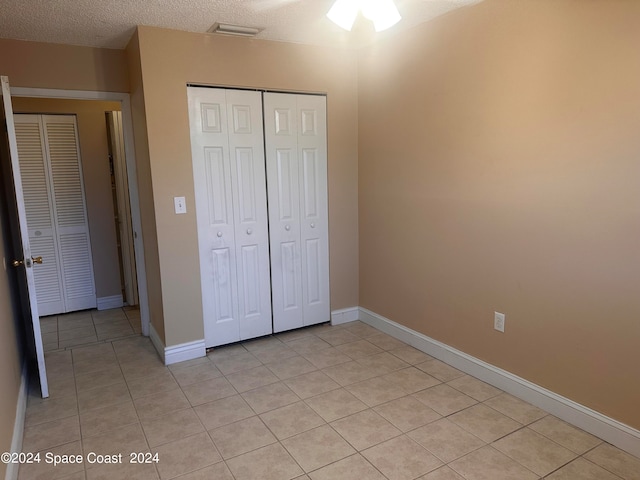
x=177, y=353
x=18, y=427
x=606, y=428
x=344, y=315
x=105, y=303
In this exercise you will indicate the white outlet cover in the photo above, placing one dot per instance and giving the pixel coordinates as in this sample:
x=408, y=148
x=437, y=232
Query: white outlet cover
x=498, y=321
x=180, y=205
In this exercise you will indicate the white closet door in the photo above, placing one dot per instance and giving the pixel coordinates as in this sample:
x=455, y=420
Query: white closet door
x=230, y=192
x=39, y=208
x=70, y=215
x=296, y=146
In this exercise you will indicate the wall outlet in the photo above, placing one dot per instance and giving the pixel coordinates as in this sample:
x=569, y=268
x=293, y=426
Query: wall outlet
x=180, y=205
x=498, y=321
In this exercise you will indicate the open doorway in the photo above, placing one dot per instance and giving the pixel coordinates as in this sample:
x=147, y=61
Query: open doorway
x=113, y=283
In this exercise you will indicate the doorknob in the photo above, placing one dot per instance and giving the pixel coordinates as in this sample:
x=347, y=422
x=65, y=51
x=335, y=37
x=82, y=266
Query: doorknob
x=37, y=260
x=17, y=263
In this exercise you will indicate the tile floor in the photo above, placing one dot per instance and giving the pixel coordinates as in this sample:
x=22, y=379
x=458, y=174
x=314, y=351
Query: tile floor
x=322, y=403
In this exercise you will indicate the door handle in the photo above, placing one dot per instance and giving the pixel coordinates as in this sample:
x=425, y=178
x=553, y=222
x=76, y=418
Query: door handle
x=37, y=260
x=17, y=263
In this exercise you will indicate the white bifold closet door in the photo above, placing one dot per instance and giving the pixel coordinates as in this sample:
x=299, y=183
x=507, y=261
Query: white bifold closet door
x=231, y=209
x=51, y=171
x=296, y=151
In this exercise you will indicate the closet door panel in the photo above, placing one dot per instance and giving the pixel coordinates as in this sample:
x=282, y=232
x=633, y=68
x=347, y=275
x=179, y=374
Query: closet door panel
x=283, y=172
x=39, y=209
x=70, y=216
x=250, y=207
x=314, y=227
x=212, y=174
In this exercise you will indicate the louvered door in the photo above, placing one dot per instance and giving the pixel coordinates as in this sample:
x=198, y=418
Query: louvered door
x=56, y=215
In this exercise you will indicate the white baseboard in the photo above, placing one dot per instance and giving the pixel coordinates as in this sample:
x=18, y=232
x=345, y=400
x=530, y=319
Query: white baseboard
x=177, y=353
x=608, y=429
x=18, y=427
x=105, y=303
x=344, y=315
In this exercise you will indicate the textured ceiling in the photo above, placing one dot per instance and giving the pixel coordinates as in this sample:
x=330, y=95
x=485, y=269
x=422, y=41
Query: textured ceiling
x=110, y=23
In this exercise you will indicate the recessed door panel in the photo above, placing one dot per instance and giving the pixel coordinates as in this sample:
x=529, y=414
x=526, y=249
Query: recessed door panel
x=218, y=188
x=223, y=289
x=246, y=185
x=286, y=181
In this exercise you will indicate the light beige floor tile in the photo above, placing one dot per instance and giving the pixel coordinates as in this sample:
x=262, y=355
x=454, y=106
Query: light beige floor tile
x=134, y=359
x=568, y=436
x=170, y=427
x=361, y=329
x=65, y=323
x=294, y=334
x=335, y=404
x=365, y=429
x=337, y=336
x=44, y=471
x=110, y=375
x=124, y=471
x=308, y=344
x=225, y=351
x=386, y=342
x=73, y=342
x=51, y=434
x=326, y=357
x=287, y=421
x=443, y=473
x=444, y=399
x=350, y=468
x=411, y=355
x=350, y=372
x=291, y=367
x=383, y=362
x=50, y=346
x=274, y=353
x=489, y=464
x=485, y=422
x=175, y=367
x=49, y=325
x=253, y=378
x=440, y=370
x=70, y=334
x=101, y=420
x=241, y=437
x=75, y=476
x=581, y=469
x=208, y=391
x=407, y=413
x=160, y=404
x=446, y=440
x=103, y=397
x=100, y=352
x=160, y=382
x=50, y=337
x=267, y=463
x=49, y=409
x=235, y=362
x=196, y=373
x=515, y=408
x=616, y=461
x=270, y=397
x=223, y=412
x=147, y=366
x=61, y=385
x=375, y=391
x=359, y=349
x=318, y=447
x=401, y=459
x=186, y=455
x=263, y=343
x=474, y=388
x=537, y=453
x=411, y=379
x=311, y=384
x=219, y=471
x=124, y=440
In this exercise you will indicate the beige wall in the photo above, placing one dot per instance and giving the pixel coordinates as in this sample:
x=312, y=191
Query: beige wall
x=10, y=362
x=94, y=150
x=67, y=67
x=170, y=60
x=499, y=166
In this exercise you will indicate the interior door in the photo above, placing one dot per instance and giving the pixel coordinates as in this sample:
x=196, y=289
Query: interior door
x=231, y=212
x=22, y=260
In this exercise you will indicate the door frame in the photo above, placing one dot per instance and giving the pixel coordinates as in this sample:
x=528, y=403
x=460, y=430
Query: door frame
x=127, y=127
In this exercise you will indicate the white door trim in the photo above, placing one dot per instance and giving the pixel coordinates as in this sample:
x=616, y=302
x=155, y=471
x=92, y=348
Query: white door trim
x=127, y=125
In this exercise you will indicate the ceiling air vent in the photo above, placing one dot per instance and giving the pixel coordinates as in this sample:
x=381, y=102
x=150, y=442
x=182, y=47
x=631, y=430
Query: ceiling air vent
x=239, y=30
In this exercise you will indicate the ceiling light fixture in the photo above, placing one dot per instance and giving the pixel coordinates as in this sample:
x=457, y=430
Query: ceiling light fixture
x=229, y=29
x=383, y=13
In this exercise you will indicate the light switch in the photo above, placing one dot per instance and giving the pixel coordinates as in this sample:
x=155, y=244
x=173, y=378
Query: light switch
x=180, y=204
